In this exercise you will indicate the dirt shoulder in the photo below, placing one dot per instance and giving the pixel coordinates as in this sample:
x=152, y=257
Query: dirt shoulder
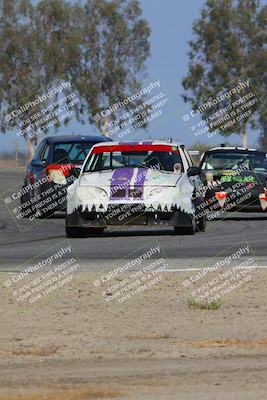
x=76, y=345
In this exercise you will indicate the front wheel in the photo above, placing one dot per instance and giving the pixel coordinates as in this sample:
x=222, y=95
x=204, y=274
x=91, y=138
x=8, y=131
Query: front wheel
x=187, y=230
x=25, y=204
x=201, y=225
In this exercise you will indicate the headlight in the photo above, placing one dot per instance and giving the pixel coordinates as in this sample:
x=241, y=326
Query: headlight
x=155, y=191
x=57, y=176
x=99, y=192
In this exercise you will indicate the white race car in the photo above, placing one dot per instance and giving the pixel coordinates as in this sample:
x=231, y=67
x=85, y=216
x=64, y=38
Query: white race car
x=135, y=183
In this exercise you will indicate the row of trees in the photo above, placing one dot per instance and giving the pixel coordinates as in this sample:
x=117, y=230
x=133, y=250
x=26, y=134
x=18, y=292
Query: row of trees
x=230, y=42
x=101, y=45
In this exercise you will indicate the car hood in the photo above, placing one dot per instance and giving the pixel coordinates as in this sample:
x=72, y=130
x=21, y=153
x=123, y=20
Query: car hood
x=156, y=190
x=133, y=177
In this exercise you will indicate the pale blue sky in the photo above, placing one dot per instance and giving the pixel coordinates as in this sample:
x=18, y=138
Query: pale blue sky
x=171, y=29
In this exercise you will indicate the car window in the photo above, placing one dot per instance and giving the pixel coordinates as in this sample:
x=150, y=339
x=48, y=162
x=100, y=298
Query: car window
x=66, y=152
x=162, y=160
x=39, y=149
x=44, y=152
x=231, y=160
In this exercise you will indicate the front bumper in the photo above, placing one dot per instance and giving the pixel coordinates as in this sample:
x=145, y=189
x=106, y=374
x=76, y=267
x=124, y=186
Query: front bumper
x=129, y=215
x=243, y=200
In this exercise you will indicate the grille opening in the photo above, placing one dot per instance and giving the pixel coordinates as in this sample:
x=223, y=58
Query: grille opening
x=118, y=193
x=136, y=192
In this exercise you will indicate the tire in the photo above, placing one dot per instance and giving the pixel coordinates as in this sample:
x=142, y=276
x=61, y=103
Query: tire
x=47, y=214
x=188, y=230
x=24, y=199
x=75, y=232
x=201, y=225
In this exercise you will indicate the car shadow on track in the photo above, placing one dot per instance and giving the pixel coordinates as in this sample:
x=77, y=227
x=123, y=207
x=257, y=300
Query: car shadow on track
x=118, y=233
x=250, y=217
x=57, y=215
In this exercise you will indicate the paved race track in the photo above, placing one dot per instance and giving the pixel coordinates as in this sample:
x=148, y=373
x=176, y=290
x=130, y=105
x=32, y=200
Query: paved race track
x=17, y=247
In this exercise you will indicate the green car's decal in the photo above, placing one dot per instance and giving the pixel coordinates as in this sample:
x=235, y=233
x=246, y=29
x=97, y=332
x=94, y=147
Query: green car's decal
x=237, y=178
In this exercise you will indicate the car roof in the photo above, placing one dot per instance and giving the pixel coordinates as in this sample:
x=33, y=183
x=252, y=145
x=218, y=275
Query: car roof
x=145, y=142
x=233, y=149
x=77, y=138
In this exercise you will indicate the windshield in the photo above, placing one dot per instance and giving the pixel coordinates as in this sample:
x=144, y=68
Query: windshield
x=113, y=158
x=71, y=152
x=231, y=160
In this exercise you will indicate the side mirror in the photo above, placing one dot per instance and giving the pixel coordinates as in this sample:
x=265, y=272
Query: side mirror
x=38, y=163
x=193, y=171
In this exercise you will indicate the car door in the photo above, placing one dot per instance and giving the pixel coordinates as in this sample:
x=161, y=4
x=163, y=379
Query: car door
x=39, y=161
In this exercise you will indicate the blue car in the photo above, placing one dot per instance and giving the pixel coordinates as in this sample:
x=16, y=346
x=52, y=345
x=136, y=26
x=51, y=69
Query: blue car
x=56, y=164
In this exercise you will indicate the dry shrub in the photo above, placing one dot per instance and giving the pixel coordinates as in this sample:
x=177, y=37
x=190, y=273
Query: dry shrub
x=69, y=394
x=35, y=351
